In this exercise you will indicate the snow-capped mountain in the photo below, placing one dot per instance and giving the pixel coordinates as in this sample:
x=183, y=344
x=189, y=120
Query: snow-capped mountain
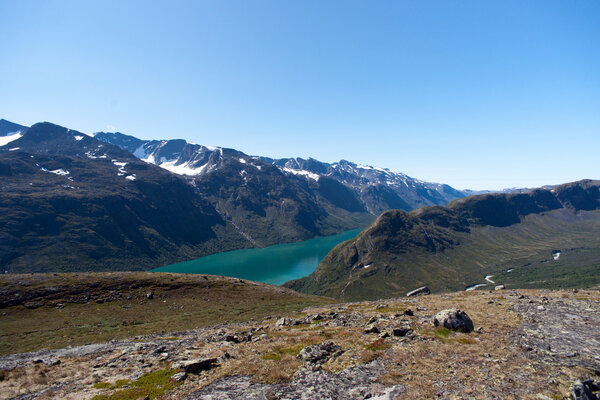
x=176, y=155
x=377, y=188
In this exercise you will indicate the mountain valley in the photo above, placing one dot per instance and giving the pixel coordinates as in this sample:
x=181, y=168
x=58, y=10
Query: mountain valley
x=104, y=199
x=452, y=248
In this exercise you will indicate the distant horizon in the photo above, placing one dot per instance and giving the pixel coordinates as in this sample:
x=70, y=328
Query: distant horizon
x=326, y=161
x=476, y=95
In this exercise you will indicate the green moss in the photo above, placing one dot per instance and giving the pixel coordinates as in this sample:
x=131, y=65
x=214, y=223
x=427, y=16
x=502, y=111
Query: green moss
x=442, y=332
x=102, y=385
x=120, y=383
x=272, y=356
x=151, y=385
x=294, y=350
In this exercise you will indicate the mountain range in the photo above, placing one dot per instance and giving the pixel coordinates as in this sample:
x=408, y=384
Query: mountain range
x=538, y=238
x=376, y=189
x=72, y=201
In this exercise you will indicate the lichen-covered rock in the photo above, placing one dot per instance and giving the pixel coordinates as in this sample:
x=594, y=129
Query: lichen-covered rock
x=319, y=353
x=454, y=319
x=354, y=383
x=179, y=377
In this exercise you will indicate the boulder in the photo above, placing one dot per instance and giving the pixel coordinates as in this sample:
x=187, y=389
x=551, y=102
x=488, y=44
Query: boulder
x=423, y=290
x=454, y=319
x=150, y=295
x=371, y=329
x=585, y=390
x=197, y=365
x=403, y=331
x=319, y=353
x=283, y=321
x=500, y=287
x=179, y=377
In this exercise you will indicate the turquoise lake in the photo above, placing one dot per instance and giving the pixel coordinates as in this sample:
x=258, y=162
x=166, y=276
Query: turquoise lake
x=274, y=264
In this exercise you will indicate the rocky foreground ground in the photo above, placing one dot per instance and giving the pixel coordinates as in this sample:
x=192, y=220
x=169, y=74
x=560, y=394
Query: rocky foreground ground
x=524, y=345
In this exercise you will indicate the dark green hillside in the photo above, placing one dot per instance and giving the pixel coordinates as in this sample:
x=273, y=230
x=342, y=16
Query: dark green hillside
x=66, y=205
x=454, y=247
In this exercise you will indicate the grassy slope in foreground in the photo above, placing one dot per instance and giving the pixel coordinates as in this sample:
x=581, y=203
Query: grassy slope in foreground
x=55, y=310
x=454, y=247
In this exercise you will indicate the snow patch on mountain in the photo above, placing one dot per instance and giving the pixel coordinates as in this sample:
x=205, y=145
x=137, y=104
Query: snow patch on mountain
x=4, y=140
x=302, y=172
x=59, y=171
x=181, y=169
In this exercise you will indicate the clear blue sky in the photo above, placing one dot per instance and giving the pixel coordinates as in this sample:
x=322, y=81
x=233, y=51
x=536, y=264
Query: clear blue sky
x=477, y=94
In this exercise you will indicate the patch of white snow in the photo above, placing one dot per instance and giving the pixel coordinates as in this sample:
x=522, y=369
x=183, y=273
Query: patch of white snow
x=302, y=172
x=4, y=140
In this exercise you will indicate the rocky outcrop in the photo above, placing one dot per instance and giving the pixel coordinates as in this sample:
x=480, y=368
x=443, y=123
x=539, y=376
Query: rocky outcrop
x=196, y=366
x=586, y=390
x=563, y=331
x=358, y=382
x=320, y=353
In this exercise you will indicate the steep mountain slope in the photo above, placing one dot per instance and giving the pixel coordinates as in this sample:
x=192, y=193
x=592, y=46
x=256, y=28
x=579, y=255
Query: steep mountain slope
x=70, y=202
x=9, y=131
x=8, y=128
x=453, y=247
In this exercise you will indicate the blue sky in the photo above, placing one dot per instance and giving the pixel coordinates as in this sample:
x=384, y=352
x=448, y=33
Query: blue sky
x=478, y=94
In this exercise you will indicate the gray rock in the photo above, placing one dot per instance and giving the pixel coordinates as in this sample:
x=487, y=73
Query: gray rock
x=283, y=321
x=180, y=376
x=423, y=290
x=359, y=382
x=319, y=353
x=150, y=295
x=499, y=287
x=454, y=319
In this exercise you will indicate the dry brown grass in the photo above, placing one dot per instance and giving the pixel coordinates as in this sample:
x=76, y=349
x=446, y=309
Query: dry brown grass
x=434, y=364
